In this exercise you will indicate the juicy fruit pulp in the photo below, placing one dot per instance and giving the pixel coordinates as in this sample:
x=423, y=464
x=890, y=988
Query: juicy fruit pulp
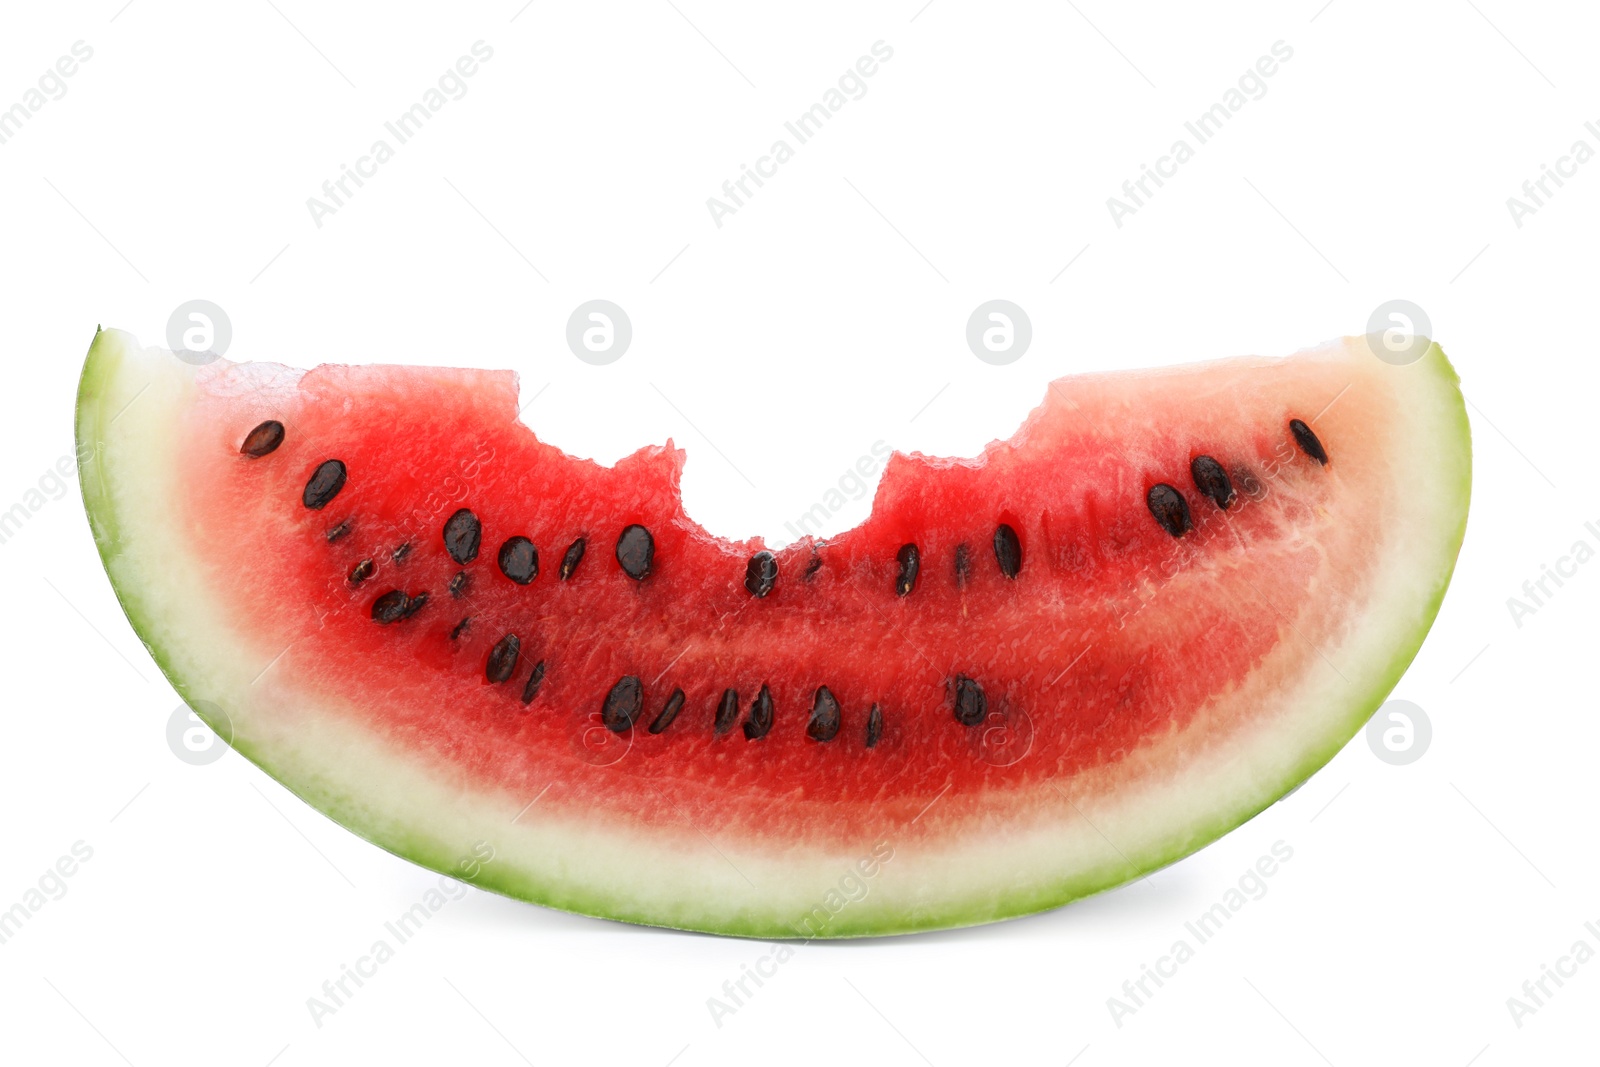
x=1024, y=678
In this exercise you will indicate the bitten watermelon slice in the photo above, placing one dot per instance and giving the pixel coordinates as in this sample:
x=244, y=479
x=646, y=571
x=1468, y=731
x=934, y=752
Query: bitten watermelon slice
x=1027, y=677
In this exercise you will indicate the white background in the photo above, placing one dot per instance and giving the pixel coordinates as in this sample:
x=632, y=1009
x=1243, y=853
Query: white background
x=826, y=314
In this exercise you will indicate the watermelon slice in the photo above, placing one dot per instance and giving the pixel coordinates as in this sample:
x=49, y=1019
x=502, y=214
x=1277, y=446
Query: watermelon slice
x=1028, y=677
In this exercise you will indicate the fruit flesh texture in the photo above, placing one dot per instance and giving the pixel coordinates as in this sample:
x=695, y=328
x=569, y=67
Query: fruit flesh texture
x=1143, y=654
x=1114, y=639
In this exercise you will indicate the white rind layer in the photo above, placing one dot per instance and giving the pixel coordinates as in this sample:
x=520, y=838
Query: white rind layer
x=1171, y=798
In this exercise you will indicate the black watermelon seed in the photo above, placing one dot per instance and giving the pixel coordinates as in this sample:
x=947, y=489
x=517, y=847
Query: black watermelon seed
x=390, y=607
x=760, y=720
x=727, y=712
x=414, y=605
x=971, y=704
x=1170, y=509
x=761, y=574
x=1008, y=550
x=462, y=532
x=910, y=561
x=503, y=659
x=622, y=705
x=668, y=713
x=263, y=439
x=535, y=680
x=340, y=530
x=1212, y=480
x=1308, y=441
x=460, y=627
x=574, y=556
x=874, y=726
x=963, y=564
x=458, y=584
x=824, y=722
x=519, y=560
x=361, y=572
x=812, y=566
x=324, y=485
x=399, y=555
x=636, y=551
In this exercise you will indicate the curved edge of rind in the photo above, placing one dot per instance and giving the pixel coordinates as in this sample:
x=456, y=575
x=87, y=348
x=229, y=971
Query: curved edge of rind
x=91, y=418
x=1448, y=382
x=104, y=358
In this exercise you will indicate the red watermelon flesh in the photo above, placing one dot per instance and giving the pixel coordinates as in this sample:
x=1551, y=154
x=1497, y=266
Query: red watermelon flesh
x=1153, y=683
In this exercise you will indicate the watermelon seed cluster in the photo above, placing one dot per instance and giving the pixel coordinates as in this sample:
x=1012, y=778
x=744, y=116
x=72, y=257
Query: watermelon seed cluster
x=1171, y=511
x=518, y=560
x=626, y=699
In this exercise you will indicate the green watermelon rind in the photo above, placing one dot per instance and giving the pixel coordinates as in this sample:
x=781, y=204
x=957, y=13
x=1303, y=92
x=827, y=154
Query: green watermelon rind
x=1453, y=451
